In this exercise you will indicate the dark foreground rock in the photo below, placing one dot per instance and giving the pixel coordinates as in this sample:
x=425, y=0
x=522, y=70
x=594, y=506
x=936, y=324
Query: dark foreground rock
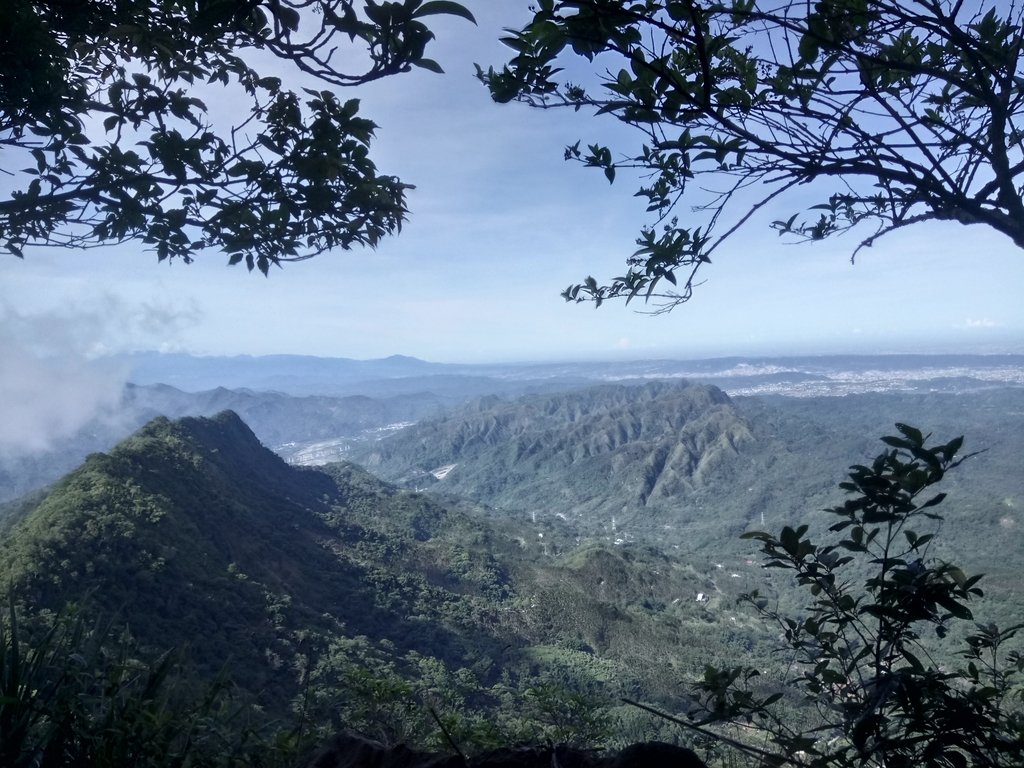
x=347, y=751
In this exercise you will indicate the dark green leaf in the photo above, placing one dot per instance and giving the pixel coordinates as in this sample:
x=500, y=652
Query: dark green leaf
x=428, y=64
x=446, y=7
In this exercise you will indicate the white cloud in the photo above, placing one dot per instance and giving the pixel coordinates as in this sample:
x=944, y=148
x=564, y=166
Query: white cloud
x=70, y=316
x=44, y=399
x=982, y=322
x=53, y=380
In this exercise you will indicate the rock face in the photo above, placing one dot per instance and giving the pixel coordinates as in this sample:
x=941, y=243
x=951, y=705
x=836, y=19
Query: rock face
x=348, y=751
x=591, y=453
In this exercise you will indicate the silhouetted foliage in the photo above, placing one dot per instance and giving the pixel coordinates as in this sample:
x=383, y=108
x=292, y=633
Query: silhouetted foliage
x=73, y=694
x=104, y=105
x=861, y=657
x=886, y=113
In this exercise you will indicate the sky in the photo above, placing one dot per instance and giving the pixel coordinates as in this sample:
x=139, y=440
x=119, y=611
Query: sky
x=499, y=226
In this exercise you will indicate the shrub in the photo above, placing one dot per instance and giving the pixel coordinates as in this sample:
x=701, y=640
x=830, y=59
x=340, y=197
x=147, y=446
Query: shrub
x=862, y=659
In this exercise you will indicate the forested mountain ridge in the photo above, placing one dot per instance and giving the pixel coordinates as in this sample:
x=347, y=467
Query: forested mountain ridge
x=321, y=422
x=331, y=595
x=193, y=534
x=587, y=457
x=589, y=452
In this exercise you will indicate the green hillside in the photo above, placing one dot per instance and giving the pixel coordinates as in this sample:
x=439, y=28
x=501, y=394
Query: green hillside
x=589, y=455
x=682, y=465
x=194, y=535
x=336, y=600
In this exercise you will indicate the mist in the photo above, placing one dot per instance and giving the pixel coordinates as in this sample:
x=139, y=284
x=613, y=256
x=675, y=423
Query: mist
x=57, y=375
x=45, y=399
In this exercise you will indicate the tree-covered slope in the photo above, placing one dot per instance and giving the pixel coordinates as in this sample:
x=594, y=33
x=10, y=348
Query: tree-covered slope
x=683, y=464
x=588, y=454
x=330, y=593
x=193, y=534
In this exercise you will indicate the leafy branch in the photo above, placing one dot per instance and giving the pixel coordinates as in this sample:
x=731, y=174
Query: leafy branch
x=106, y=108
x=890, y=114
x=861, y=659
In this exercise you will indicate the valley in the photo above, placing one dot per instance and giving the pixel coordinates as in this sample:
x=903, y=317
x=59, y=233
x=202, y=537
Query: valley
x=515, y=563
x=315, y=410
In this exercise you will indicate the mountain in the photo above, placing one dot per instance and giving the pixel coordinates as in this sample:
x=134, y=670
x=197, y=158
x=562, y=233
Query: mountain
x=592, y=454
x=197, y=535
x=291, y=425
x=318, y=408
x=295, y=374
x=193, y=534
x=278, y=419
x=685, y=465
x=808, y=375
x=301, y=375
x=334, y=597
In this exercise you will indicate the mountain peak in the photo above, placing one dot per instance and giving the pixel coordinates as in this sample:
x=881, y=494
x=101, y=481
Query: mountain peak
x=162, y=524
x=223, y=429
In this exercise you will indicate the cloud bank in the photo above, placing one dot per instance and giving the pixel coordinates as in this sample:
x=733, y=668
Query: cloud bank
x=44, y=399
x=54, y=379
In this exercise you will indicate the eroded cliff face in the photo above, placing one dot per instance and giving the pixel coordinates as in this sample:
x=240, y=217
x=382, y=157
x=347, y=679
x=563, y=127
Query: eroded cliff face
x=588, y=454
x=349, y=751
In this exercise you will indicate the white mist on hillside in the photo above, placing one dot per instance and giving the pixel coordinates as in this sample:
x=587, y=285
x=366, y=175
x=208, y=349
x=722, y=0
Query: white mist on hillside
x=45, y=399
x=52, y=380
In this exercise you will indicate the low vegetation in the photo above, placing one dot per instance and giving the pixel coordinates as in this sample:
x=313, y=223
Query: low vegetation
x=872, y=682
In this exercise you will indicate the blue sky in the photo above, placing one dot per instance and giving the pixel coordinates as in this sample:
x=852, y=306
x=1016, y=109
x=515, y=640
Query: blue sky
x=499, y=226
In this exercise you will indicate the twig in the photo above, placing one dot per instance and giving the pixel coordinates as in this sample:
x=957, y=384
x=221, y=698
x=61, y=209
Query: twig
x=447, y=735
x=775, y=758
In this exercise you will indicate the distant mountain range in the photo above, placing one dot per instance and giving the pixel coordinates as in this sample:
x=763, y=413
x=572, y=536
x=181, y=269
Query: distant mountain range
x=283, y=422
x=684, y=464
x=817, y=375
x=315, y=410
x=590, y=455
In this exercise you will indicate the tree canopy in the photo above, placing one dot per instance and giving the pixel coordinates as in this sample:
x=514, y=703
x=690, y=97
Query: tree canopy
x=863, y=114
x=109, y=105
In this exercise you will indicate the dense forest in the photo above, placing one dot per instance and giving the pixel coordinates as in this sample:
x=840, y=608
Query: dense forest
x=306, y=601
